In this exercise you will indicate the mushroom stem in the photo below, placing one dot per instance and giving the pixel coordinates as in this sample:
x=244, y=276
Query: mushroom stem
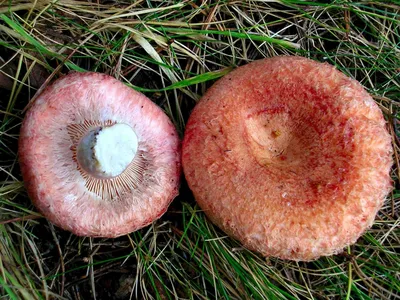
x=106, y=151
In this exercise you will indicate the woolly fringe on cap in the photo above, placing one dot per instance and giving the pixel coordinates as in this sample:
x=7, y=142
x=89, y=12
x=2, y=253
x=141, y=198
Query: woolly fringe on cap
x=289, y=156
x=67, y=195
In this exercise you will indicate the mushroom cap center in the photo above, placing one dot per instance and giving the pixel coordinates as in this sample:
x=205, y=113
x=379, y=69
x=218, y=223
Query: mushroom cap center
x=105, y=152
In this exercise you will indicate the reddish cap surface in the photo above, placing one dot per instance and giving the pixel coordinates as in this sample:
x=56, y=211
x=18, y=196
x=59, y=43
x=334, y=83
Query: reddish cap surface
x=63, y=191
x=289, y=156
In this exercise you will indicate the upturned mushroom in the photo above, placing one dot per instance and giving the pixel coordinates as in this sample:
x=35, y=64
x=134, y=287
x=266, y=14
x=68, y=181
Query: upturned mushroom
x=289, y=156
x=98, y=158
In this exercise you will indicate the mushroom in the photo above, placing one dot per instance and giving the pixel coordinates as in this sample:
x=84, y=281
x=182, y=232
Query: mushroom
x=289, y=156
x=98, y=158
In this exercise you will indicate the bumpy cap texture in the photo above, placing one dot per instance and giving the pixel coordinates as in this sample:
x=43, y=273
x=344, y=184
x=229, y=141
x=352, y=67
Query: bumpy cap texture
x=289, y=156
x=70, y=197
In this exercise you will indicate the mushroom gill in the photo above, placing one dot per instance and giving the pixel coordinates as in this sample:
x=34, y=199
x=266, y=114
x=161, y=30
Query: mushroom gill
x=98, y=158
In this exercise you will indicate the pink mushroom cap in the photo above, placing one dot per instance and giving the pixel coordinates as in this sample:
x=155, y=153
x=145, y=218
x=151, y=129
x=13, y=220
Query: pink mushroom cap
x=289, y=156
x=64, y=191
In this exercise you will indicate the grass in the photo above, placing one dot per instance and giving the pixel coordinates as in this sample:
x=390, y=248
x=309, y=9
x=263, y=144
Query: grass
x=173, y=51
